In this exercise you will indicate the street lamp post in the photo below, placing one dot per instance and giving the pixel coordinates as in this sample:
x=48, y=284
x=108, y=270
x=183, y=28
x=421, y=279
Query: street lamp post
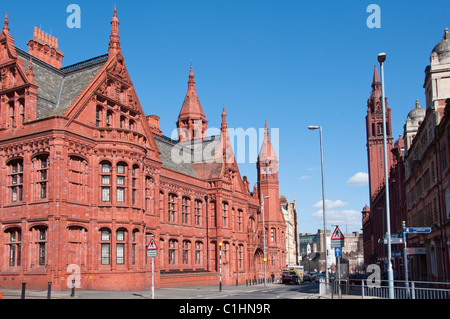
x=220, y=266
x=381, y=59
x=264, y=242
x=323, y=203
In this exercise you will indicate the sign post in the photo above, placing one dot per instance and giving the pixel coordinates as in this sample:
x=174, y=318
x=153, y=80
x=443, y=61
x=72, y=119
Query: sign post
x=405, y=258
x=337, y=242
x=410, y=230
x=152, y=251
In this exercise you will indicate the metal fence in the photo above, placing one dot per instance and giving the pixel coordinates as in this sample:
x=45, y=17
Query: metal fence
x=345, y=289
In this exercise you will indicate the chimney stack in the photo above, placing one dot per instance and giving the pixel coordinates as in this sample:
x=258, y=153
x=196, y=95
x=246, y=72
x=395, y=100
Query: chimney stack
x=45, y=47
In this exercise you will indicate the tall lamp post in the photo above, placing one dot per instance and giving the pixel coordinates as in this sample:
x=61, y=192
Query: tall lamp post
x=264, y=242
x=323, y=203
x=220, y=266
x=381, y=59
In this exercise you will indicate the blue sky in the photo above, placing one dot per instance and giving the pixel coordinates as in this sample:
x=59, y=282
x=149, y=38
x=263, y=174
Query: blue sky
x=296, y=63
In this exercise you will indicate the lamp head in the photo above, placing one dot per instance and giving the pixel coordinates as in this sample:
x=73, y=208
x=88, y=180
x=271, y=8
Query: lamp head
x=381, y=57
x=313, y=127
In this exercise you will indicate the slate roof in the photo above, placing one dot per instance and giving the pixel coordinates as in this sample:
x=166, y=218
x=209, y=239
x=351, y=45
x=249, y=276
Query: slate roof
x=196, y=160
x=58, y=88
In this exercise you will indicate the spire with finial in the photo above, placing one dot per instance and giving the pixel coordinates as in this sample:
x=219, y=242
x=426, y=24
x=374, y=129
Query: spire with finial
x=224, y=119
x=191, y=82
x=192, y=117
x=376, y=77
x=6, y=26
x=375, y=96
x=114, y=42
x=267, y=152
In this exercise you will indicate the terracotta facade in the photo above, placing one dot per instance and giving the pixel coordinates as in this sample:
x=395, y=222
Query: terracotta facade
x=86, y=178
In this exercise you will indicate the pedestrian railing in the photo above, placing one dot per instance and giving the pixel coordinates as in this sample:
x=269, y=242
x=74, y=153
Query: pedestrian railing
x=361, y=289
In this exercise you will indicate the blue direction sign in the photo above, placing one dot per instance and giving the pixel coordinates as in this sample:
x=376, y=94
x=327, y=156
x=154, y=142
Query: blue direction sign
x=338, y=252
x=418, y=230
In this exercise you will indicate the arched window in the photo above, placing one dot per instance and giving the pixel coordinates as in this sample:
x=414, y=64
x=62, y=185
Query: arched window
x=40, y=168
x=185, y=203
x=105, y=239
x=15, y=169
x=225, y=214
x=198, y=212
x=240, y=256
x=109, y=118
x=134, y=184
x=186, y=251
x=121, y=182
x=98, y=116
x=272, y=234
x=225, y=250
x=11, y=112
x=172, y=207
x=14, y=246
x=134, y=241
x=78, y=179
x=239, y=220
x=106, y=181
x=379, y=129
x=39, y=237
x=120, y=247
x=172, y=249
x=198, y=252
x=122, y=121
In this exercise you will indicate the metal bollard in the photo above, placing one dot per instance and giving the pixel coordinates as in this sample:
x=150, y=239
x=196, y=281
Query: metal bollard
x=49, y=291
x=72, y=294
x=23, y=290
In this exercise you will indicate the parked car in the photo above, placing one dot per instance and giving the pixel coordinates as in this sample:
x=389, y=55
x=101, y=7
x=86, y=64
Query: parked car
x=313, y=275
x=289, y=277
x=355, y=279
x=306, y=277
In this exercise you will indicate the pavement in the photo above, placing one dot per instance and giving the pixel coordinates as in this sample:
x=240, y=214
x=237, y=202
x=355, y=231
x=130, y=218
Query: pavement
x=194, y=292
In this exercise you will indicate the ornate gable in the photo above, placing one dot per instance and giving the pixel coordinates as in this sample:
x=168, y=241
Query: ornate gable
x=109, y=104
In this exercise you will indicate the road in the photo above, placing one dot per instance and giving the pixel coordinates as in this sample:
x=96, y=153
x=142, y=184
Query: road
x=304, y=291
x=271, y=291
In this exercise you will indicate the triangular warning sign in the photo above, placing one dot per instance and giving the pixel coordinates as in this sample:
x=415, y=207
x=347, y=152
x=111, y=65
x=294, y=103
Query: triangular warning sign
x=337, y=235
x=152, y=245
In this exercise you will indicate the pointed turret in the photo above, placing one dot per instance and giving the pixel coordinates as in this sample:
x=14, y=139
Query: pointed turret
x=7, y=39
x=191, y=120
x=267, y=154
x=376, y=77
x=6, y=25
x=375, y=96
x=268, y=185
x=114, y=40
x=225, y=152
x=374, y=133
x=224, y=125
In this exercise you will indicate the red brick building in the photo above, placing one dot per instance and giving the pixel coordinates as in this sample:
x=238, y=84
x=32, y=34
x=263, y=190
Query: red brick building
x=86, y=178
x=374, y=217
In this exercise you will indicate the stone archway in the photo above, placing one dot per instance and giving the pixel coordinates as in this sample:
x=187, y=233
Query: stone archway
x=258, y=263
